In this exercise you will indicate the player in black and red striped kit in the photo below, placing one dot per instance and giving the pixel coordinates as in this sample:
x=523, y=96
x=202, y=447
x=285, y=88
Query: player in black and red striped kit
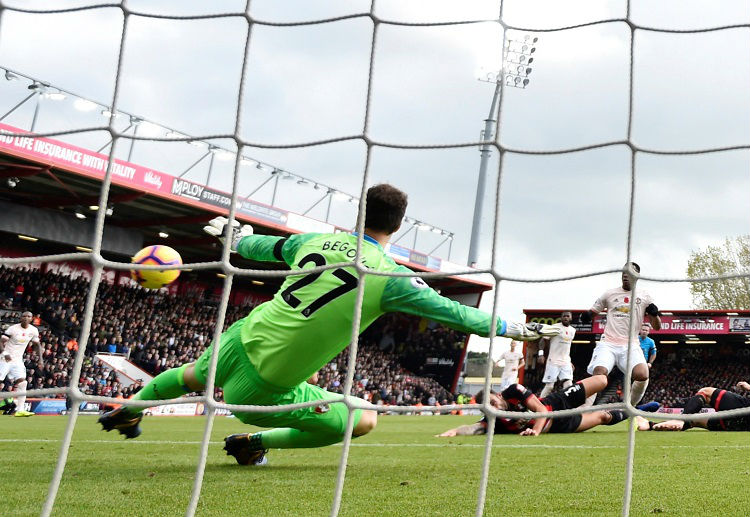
x=719, y=400
x=517, y=398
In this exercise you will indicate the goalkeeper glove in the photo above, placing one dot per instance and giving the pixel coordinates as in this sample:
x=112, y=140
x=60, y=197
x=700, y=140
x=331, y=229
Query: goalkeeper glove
x=652, y=310
x=216, y=228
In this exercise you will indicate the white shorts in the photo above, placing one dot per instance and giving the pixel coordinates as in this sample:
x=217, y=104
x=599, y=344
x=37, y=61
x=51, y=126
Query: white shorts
x=608, y=355
x=507, y=381
x=553, y=373
x=13, y=370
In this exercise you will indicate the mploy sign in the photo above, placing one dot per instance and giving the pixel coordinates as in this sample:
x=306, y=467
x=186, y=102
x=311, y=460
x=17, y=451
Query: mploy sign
x=202, y=194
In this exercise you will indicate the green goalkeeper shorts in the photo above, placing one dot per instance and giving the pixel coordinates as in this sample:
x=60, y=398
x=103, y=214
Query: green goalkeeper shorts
x=242, y=384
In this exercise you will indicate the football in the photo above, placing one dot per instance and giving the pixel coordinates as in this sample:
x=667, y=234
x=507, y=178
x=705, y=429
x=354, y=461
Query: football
x=156, y=255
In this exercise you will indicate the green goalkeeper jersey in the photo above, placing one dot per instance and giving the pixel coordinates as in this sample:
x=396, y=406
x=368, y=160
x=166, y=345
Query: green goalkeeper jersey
x=309, y=320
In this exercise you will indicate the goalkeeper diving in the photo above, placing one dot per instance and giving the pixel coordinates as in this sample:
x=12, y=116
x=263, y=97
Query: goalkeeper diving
x=266, y=358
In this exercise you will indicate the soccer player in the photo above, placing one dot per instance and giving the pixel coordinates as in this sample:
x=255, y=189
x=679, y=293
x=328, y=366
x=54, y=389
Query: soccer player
x=15, y=339
x=514, y=361
x=612, y=349
x=649, y=353
x=559, y=366
x=720, y=400
x=7, y=406
x=518, y=398
x=647, y=345
x=265, y=358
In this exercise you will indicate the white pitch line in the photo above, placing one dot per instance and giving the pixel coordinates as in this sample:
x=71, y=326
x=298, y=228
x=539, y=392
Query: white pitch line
x=443, y=445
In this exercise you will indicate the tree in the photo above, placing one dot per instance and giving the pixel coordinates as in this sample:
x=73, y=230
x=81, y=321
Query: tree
x=732, y=257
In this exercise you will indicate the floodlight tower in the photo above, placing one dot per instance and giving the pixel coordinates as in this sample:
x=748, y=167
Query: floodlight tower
x=517, y=59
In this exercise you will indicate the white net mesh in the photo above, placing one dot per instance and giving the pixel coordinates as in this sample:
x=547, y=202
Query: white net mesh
x=98, y=262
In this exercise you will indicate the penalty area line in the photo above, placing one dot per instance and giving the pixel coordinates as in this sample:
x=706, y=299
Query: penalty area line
x=383, y=445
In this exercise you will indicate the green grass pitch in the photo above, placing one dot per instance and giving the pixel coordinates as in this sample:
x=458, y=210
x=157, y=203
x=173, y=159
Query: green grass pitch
x=398, y=470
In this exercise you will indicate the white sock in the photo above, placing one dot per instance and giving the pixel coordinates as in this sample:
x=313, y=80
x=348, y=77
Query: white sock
x=589, y=400
x=21, y=399
x=567, y=383
x=637, y=389
x=547, y=389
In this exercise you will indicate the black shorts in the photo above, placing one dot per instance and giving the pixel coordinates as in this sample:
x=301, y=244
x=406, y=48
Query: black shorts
x=723, y=400
x=571, y=397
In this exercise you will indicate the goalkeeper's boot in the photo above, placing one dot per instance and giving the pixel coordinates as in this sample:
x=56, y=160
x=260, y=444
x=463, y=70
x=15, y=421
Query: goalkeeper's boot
x=126, y=423
x=529, y=331
x=21, y=413
x=239, y=446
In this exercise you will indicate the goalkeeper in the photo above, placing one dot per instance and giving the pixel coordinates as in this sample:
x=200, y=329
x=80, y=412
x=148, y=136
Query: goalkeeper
x=266, y=357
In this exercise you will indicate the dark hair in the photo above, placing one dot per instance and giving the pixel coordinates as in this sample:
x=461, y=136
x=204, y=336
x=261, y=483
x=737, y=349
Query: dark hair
x=480, y=395
x=386, y=206
x=635, y=266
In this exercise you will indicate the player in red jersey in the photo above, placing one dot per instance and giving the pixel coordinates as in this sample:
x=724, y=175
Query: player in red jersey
x=518, y=398
x=719, y=399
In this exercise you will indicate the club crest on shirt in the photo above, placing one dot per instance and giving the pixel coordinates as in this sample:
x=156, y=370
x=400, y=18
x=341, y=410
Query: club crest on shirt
x=323, y=408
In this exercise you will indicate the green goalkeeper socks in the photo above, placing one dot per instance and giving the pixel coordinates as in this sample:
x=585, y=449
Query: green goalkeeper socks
x=169, y=384
x=286, y=438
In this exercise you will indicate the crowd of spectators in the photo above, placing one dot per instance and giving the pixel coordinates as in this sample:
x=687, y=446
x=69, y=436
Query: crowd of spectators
x=156, y=332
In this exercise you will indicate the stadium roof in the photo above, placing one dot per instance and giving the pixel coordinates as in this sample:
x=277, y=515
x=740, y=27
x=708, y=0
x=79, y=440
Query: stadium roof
x=49, y=174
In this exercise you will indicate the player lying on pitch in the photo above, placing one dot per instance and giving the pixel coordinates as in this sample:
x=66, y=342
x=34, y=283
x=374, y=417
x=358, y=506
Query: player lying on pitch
x=517, y=398
x=720, y=400
x=266, y=357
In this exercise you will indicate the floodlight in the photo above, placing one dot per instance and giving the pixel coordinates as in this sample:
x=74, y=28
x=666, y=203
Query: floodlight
x=84, y=105
x=340, y=195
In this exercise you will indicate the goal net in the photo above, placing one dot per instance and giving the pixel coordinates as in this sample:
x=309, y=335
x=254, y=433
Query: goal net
x=376, y=24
